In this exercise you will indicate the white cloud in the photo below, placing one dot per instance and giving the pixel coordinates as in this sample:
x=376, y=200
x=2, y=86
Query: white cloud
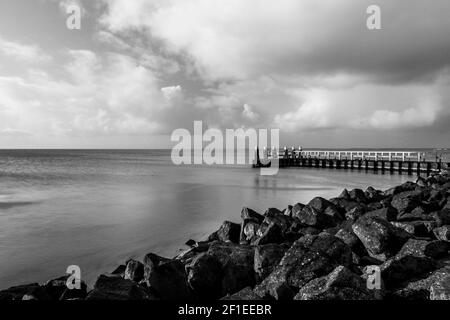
x=249, y=113
x=22, y=52
x=171, y=93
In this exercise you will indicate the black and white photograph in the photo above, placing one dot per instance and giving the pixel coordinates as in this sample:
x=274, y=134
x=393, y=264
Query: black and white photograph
x=223, y=157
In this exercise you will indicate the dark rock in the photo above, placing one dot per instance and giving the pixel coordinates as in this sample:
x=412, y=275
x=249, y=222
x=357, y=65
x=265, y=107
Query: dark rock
x=288, y=211
x=442, y=233
x=415, y=215
x=245, y=294
x=249, y=231
x=324, y=206
x=271, y=233
x=357, y=195
x=267, y=258
x=442, y=217
x=373, y=195
x=421, y=182
x=58, y=290
x=204, y=276
x=109, y=287
x=296, y=209
x=344, y=205
x=166, y=278
x=120, y=270
x=313, y=217
x=380, y=238
x=134, y=271
x=191, y=243
x=405, y=202
x=387, y=213
x=422, y=248
x=350, y=239
x=440, y=290
x=249, y=214
x=341, y=284
x=228, y=232
x=32, y=291
x=354, y=214
x=416, y=228
x=237, y=266
x=308, y=258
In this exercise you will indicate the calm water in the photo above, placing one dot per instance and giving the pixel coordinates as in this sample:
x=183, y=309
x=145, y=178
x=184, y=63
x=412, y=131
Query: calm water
x=95, y=209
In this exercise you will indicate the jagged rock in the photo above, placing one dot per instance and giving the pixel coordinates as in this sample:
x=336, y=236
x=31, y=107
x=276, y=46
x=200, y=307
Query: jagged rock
x=350, y=239
x=267, y=258
x=271, y=233
x=311, y=216
x=440, y=290
x=186, y=256
x=134, y=271
x=442, y=217
x=228, y=232
x=442, y=233
x=204, y=276
x=422, y=248
x=354, y=214
x=120, y=270
x=249, y=214
x=166, y=278
x=345, y=205
x=324, y=206
x=380, y=238
x=245, y=294
x=237, y=266
x=296, y=209
x=249, y=231
x=344, y=195
x=33, y=290
x=421, y=182
x=416, y=228
x=373, y=195
x=405, y=202
x=418, y=289
x=341, y=284
x=387, y=213
x=288, y=211
x=308, y=258
x=109, y=287
x=58, y=290
x=275, y=216
x=357, y=195
x=404, y=267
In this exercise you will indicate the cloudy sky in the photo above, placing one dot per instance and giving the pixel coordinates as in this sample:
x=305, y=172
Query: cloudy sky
x=139, y=69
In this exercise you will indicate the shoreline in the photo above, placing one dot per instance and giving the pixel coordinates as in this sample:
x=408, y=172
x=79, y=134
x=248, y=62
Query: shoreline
x=369, y=245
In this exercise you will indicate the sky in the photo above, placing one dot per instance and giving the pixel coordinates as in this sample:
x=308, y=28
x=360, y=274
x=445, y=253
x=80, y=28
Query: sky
x=137, y=70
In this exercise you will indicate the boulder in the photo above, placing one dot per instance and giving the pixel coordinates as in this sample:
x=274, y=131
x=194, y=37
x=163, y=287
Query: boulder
x=344, y=195
x=416, y=228
x=326, y=207
x=237, y=266
x=309, y=257
x=271, y=233
x=380, y=238
x=416, y=214
x=341, y=284
x=166, y=278
x=111, y=287
x=373, y=195
x=58, y=290
x=32, y=291
x=288, y=211
x=204, y=276
x=357, y=195
x=228, y=232
x=441, y=217
x=249, y=231
x=134, y=271
x=350, y=239
x=405, y=202
x=387, y=213
x=442, y=233
x=354, y=214
x=249, y=214
x=267, y=258
x=423, y=248
x=440, y=290
x=296, y=209
x=345, y=205
x=120, y=270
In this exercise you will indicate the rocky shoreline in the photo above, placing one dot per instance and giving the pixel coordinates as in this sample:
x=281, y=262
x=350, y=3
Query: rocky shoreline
x=361, y=245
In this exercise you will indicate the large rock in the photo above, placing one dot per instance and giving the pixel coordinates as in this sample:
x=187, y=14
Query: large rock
x=442, y=217
x=387, y=213
x=58, y=290
x=373, y=195
x=380, y=238
x=237, y=266
x=249, y=214
x=309, y=257
x=166, y=278
x=249, y=231
x=326, y=207
x=416, y=228
x=423, y=248
x=350, y=239
x=228, y=232
x=204, y=276
x=269, y=233
x=341, y=284
x=357, y=195
x=440, y=290
x=30, y=291
x=134, y=270
x=442, y=233
x=267, y=258
x=112, y=287
x=345, y=205
x=405, y=202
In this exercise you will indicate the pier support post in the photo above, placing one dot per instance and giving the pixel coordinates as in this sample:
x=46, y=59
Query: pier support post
x=400, y=166
x=428, y=168
x=418, y=168
x=366, y=164
x=409, y=167
x=382, y=165
x=375, y=165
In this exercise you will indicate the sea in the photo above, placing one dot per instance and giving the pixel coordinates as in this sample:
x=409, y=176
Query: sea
x=97, y=208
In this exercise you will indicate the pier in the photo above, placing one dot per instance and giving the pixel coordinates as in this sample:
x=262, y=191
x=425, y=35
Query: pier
x=385, y=161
